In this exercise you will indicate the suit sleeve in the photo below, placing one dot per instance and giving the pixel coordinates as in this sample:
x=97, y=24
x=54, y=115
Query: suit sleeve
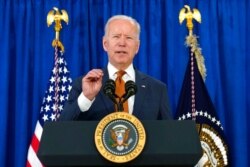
x=165, y=106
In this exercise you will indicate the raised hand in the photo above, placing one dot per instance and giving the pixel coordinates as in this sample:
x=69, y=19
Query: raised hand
x=92, y=83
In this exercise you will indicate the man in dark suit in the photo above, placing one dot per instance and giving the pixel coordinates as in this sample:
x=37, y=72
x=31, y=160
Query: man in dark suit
x=87, y=100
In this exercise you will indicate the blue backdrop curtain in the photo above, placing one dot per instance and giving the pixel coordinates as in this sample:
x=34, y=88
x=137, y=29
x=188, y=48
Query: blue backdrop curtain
x=26, y=57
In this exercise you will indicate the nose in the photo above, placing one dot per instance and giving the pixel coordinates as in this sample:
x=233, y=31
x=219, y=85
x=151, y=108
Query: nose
x=122, y=41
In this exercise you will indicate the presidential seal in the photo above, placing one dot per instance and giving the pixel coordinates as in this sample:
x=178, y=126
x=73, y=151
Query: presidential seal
x=214, y=148
x=120, y=137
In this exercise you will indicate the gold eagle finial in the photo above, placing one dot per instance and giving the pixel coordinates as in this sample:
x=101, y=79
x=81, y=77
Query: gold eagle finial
x=55, y=15
x=186, y=13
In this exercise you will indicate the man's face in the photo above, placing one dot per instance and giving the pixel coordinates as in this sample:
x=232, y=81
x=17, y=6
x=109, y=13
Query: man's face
x=121, y=43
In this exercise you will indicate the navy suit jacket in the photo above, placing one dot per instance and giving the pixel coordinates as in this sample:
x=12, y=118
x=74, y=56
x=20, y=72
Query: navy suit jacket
x=151, y=101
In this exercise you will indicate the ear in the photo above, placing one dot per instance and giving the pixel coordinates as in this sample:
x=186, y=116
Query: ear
x=105, y=43
x=138, y=46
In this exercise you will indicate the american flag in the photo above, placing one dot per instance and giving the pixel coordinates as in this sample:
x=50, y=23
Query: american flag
x=55, y=96
x=196, y=104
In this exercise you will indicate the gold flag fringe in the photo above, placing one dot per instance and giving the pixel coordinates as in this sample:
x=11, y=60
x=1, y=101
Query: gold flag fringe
x=191, y=41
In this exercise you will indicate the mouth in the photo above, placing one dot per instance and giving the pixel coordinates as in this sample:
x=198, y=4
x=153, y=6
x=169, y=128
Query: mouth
x=121, y=52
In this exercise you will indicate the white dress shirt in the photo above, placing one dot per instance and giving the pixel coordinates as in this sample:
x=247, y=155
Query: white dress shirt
x=84, y=103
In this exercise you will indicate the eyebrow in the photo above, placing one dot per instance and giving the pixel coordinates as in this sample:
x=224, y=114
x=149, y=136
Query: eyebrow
x=133, y=36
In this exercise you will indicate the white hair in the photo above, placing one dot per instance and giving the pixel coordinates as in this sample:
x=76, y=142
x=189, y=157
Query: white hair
x=123, y=17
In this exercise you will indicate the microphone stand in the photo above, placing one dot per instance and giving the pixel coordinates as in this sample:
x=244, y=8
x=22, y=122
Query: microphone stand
x=109, y=90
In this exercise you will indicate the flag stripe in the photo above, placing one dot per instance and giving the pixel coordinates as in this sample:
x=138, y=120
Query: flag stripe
x=38, y=130
x=33, y=159
x=35, y=143
x=28, y=164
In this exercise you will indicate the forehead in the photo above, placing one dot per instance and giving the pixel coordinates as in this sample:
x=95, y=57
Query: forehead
x=122, y=26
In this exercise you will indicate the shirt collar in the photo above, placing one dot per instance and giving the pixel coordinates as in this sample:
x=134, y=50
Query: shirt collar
x=130, y=72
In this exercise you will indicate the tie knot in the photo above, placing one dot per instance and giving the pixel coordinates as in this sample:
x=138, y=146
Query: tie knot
x=120, y=73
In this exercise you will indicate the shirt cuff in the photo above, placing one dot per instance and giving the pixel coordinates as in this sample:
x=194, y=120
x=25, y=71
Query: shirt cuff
x=84, y=103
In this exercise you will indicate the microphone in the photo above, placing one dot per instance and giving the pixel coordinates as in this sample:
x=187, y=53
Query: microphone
x=130, y=88
x=109, y=90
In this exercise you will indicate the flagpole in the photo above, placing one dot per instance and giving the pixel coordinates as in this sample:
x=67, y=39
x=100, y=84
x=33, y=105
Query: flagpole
x=186, y=13
x=55, y=16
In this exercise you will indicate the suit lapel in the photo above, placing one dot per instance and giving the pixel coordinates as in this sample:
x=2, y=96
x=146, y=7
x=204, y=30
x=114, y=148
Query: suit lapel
x=141, y=92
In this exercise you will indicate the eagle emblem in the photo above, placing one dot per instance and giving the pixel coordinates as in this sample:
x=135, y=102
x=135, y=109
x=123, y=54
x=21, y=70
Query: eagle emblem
x=120, y=137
